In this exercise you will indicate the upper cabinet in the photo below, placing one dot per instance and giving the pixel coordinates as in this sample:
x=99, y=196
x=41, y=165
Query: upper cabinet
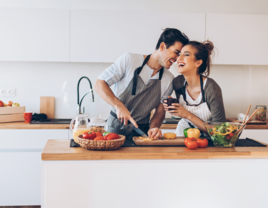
x=103, y=36
x=34, y=34
x=239, y=39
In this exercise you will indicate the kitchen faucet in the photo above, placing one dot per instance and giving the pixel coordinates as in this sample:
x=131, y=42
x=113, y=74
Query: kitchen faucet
x=80, y=102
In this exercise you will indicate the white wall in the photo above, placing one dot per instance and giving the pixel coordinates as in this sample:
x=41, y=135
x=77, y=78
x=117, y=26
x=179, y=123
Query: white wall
x=241, y=85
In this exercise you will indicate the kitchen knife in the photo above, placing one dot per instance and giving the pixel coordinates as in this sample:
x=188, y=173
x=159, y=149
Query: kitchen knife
x=140, y=132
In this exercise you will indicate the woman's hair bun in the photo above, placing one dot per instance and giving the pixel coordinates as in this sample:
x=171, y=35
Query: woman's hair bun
x=209, y=46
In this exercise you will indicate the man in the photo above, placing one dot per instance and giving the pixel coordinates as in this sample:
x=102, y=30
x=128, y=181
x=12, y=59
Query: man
x=141, y=83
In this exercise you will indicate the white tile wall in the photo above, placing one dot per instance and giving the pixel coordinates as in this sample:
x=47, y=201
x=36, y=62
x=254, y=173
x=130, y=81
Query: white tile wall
x=241, y=86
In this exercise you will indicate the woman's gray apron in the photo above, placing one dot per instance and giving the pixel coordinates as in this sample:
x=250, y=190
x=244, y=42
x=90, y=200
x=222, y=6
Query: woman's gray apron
x=201, y=110
x=140, y=99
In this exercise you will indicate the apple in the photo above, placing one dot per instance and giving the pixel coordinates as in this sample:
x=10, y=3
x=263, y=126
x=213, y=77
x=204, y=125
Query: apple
x=9, y=103
x=5, y=105
x=15, y=105
x=1, y=103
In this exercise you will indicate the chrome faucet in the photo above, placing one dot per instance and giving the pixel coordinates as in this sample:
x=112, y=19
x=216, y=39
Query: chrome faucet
x=80, y=102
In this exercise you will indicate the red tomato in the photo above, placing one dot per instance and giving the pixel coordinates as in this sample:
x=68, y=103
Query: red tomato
x=113, y=136
x=211, y=133
x=106, y=136
x=99, y=138
x=231, y=135
x=89, y=135
x=202, y=142
x=192, y=144
x=228, y=137
x=187, y=139
x=98, y=134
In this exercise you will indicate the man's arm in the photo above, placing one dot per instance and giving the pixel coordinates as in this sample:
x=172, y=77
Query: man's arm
x=156, y=122
x=108, y=96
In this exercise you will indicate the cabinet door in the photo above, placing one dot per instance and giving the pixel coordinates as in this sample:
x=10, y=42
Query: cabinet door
x=260, y=135
x=34, y=34
x=239, y=39
x=29, y=139
x=103, y=36
x=20, y=178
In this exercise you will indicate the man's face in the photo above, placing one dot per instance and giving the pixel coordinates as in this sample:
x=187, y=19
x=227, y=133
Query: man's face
x=169, y=55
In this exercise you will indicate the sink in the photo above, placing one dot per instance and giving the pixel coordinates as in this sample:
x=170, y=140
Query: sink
x=52, y=121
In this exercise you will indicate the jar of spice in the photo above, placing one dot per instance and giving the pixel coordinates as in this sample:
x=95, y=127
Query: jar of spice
x=261, y=113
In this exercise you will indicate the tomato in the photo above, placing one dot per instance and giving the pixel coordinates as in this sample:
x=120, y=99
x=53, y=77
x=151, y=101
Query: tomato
x=99, y=138
x=112, y=136
x=89, y=135
x=106, y=136
x=105, y=133
x=211, y=133
x=228, y=137
x=187, y=139
x=98, y=134
x=192, y=144
x=231, y=135
x=202, y=142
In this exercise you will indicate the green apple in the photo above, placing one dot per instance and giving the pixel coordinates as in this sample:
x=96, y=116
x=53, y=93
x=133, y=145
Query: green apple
x=15, y=105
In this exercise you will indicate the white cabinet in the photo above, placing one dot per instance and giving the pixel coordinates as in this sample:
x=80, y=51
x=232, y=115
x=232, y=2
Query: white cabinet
x=20, y=159
x=257, y=134
x=239, y=38
x=103, y=36
x=34, y=34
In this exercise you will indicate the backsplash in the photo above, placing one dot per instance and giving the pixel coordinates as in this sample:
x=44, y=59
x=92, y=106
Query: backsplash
x=241, y=86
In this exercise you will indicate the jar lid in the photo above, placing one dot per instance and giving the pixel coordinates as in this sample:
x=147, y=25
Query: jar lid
x=97, y=120
x=261, y=106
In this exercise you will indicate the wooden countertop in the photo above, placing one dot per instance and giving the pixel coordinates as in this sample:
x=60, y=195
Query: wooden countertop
x=22, y=125
x=61, y=150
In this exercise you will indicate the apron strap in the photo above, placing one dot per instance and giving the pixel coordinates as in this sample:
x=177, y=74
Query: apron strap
x=183, y=93
x=138, y=71
x=202, y=90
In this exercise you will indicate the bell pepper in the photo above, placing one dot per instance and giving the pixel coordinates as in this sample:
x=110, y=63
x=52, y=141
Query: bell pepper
x=185, y=132
x=193, y=133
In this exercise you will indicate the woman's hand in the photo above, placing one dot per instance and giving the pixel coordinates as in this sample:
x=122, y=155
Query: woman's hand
x=178, y=110
x=165, y=104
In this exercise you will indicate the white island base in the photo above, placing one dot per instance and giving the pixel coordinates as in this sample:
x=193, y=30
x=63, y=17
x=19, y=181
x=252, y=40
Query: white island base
x=165, y=183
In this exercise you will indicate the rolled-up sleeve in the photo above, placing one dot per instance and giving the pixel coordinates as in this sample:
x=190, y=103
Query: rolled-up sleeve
x=116, y=71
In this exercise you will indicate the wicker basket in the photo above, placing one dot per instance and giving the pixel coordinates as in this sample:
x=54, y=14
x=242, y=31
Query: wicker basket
x=101, y=144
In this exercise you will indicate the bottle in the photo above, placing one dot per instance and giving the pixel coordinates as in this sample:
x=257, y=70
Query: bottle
x=261, y=113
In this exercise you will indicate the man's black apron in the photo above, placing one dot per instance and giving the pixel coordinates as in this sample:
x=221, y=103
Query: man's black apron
x=140, y=99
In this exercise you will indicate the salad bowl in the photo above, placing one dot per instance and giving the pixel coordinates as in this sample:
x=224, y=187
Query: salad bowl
x=224, y=134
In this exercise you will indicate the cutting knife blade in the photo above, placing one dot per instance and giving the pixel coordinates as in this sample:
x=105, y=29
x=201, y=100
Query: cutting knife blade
x=140, y=132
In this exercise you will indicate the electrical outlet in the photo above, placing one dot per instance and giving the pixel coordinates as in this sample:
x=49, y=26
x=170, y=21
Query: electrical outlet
x=7, y=92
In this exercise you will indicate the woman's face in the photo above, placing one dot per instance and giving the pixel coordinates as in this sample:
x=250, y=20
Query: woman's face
x=186, y=60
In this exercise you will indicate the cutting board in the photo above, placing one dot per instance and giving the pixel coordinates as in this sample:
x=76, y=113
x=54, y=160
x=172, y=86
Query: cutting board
x=47, y=106
x=176, y=141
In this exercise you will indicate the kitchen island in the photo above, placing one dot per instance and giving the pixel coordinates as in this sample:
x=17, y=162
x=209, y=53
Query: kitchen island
x=153, y=177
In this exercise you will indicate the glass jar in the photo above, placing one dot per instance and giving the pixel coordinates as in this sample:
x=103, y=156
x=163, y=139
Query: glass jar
x=261, y=113
x=98, y=124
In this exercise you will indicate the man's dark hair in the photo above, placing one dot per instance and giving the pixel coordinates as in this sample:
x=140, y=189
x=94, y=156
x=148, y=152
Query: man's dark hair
x=170, y=36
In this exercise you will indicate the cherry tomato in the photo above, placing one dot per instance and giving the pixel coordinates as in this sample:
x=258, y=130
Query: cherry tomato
x=112, y=136
x=99, y=138
x=98, y=134
x=192, y=144
x=89, y=135
x=231, y=135
x=211, y=133
x=187, y=139
x=202, y=142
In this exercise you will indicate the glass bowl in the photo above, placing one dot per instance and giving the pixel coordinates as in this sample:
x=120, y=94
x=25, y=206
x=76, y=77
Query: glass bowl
x=223, y=134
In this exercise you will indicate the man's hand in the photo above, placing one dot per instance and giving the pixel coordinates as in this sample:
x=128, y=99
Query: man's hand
x=155, y=133
x=124, y=116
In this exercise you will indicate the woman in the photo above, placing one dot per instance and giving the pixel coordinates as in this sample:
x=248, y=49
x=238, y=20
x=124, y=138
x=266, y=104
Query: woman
x=200, y=97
